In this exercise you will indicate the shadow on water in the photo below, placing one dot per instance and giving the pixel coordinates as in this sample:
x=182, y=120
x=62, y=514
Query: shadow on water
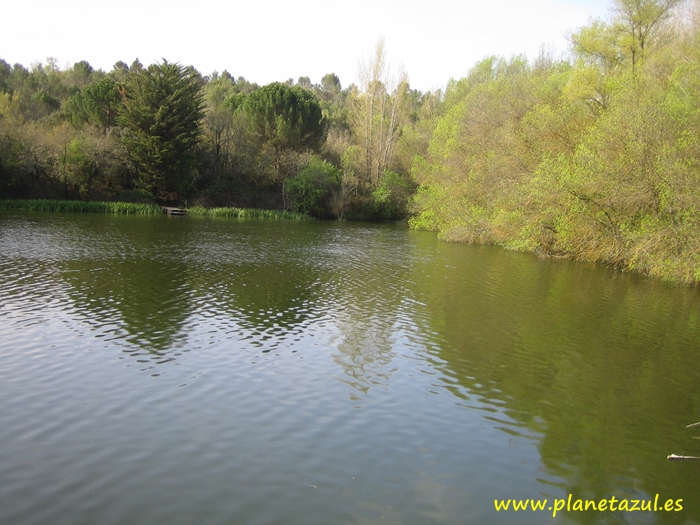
x=145, y=303
x=156, y=289
x=154, y=285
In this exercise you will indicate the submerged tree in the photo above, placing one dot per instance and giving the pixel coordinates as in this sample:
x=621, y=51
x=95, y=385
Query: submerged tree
x=162, y=114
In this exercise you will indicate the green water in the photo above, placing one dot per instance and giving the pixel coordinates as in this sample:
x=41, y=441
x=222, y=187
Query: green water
x=188, y=370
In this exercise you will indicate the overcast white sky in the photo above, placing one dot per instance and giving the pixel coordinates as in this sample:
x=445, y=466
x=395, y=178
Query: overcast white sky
x=271, y=40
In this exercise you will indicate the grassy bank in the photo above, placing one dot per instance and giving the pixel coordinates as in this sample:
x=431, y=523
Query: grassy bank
x=245, y=213
x=129, y=208
x=122, y=208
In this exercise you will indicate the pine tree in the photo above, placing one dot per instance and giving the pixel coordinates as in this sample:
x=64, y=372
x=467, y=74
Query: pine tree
x=162, y=114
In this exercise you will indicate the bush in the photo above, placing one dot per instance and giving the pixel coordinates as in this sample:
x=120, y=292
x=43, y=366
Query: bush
x=311, y=190
x=391, y=196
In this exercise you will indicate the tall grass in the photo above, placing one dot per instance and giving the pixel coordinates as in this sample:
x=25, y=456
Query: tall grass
x=126, y=208
x=245, y=213
x=129, y=208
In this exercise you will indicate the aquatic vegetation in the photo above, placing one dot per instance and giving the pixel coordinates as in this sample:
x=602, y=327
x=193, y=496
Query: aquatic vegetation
x=245, y=213
x=130, y=208
x=122, y=208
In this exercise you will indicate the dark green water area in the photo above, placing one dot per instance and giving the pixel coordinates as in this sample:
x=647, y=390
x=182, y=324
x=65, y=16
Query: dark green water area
x=182, y=370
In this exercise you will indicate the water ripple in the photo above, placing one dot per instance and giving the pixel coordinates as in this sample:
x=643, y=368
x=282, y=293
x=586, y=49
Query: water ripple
x=182, y=371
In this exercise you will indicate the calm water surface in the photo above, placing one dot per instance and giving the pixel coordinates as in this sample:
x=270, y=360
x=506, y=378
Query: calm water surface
x=190, y=371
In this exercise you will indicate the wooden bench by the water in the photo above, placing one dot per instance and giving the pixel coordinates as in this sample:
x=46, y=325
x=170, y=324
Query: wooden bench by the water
x=174, y=211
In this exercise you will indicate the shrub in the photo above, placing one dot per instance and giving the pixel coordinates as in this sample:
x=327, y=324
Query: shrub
x=311, y=190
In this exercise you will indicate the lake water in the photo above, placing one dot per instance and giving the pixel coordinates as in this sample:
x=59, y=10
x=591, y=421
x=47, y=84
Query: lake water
x=191, y=371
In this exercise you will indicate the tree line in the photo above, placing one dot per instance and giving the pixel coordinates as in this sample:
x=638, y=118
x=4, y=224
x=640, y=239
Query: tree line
x=593, y=157
x=165, y=133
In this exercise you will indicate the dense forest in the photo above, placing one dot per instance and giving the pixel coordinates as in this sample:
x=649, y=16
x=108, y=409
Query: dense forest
x=164, y=133
x=595, y=156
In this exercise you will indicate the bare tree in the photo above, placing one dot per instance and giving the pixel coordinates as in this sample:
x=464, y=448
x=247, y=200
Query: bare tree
x=379, y=111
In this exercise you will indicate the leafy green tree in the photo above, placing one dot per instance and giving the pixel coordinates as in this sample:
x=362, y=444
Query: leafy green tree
x=391, y=196
x=597, y=44
x=330, y=86
x=640, y=25
x=638, y=29
x=98, y=104
x=304, y=82
x=162, y=114
x=81, y=74
x=290, y=123
x=120, y=71
x=287, y=118
x=312, y=188
x=5, y=72
x=37, y=93
x=218, y=121
x=77, y=166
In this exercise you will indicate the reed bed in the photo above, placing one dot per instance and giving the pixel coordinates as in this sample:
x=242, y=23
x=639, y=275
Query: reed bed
x=124, y=208
x=130, y=208
x=245, y=213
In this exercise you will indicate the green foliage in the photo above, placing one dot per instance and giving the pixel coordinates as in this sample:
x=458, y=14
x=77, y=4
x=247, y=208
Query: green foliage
x=162, y=114
x=391, y=196
x=637, y=31
x=98, y=104
x=596, y=162
x=234, y=101
x=124, y=208
x=244, y=213
x=596, y=158
x=287, y=118
x=378, y=113
x=77, y=163
x=46, y=101
x=5, y=72
x=81, y=74
x=597, y=43
x=330, y=86
x=311, y=189
x=640, y=26
x=130, y=208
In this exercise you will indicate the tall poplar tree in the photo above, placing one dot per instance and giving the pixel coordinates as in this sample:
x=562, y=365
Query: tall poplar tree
x=378, y=113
